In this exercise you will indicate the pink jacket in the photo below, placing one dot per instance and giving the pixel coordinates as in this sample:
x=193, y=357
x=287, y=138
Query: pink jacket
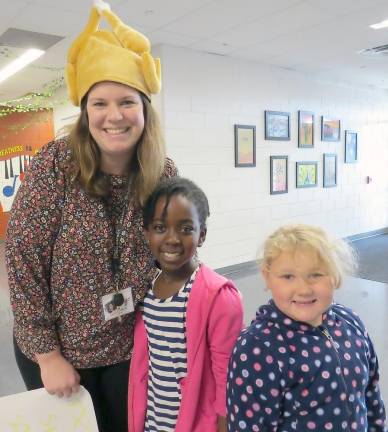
x=213, y=322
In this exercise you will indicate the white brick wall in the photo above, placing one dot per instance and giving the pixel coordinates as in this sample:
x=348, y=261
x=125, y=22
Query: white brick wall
x=205, y=95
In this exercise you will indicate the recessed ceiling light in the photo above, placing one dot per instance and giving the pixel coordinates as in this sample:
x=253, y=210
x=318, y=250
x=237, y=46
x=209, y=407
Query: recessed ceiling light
x=19, y=63
x=380, y=25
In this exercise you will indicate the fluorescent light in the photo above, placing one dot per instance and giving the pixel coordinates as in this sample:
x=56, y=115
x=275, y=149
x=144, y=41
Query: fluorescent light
x=380, y=25
x=19, y=63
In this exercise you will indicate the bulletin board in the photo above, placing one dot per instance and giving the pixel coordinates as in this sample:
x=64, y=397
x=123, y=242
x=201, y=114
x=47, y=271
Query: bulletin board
x=21, y=136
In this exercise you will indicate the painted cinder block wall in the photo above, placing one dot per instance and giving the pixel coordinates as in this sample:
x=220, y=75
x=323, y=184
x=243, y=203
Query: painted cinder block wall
x=204, y=95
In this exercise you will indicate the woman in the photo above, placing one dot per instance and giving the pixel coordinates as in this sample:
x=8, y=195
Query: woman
x=77, y=261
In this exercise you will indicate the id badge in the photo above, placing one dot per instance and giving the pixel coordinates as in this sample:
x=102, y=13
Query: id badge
x=117, y=304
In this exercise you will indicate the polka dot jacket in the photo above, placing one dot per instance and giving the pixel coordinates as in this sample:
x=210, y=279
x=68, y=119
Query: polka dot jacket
x=288, y=376
x=59, y=250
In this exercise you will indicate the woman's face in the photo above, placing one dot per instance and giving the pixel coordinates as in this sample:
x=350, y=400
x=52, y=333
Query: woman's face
x=116, y=122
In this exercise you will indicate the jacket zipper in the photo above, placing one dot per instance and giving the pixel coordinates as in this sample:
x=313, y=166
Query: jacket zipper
x=329, y=337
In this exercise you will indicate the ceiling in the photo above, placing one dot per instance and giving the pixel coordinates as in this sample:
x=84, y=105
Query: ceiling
x=319, y=37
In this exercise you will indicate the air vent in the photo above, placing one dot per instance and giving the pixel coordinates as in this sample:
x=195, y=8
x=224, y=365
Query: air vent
x=376, y=51
x=26, y=39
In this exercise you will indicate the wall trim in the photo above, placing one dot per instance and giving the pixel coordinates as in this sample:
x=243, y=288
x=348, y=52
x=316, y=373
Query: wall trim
x=252, y=267
x=248, y=268
x=381, y=231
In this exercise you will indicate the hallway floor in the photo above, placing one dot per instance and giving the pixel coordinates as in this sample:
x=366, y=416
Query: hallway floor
x=368, y=298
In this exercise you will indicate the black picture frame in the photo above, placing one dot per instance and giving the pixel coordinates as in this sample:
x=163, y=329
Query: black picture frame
x=351, y=147
x=329, y=170
x=277, y=125
x=306, y=174
x=306, y=123
x=330, y=129
x=278, y=175
x=244, y=146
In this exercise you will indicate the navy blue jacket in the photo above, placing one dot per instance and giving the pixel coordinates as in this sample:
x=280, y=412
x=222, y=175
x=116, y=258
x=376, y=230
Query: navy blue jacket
x=289, y=376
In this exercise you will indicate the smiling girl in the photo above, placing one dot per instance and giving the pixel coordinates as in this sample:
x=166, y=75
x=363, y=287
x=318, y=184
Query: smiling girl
x=305, y=363
x=189, y=323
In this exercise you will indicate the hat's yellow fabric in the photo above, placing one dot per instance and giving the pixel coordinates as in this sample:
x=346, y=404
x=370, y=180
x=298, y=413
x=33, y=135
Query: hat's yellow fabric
x=121, y=55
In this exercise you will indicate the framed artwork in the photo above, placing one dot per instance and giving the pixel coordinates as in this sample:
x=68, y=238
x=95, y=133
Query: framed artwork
x=277, y=125
x=244, y=146
x=305, y=129
x=329, y=170
x=330, y=129
x=351, y=155
x=306, y=174
x=279, y=175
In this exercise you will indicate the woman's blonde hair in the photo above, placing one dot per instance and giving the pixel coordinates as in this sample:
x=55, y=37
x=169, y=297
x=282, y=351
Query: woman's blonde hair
x=146, y=168
x=337, y=256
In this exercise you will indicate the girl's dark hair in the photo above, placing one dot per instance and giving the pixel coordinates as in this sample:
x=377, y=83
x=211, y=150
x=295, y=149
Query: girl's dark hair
x=176, y=186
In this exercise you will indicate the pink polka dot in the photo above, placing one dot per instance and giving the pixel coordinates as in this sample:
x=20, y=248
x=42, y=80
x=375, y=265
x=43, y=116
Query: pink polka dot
x=305, y=353
x=328, y=426
x=257, y=366
x=239, y=381
x=316, y=349
x=256, y=407
x=274, y=392
x=290, y=334
x=266, y=331
x=305, y=392
x=338, y=333
x=268, y=410
x=311, y=425
x=305, y=368
x=249, y=413
x=259, y=383
x=269, y=359
x=292, y=348
x=325, y=374
x=256, y=351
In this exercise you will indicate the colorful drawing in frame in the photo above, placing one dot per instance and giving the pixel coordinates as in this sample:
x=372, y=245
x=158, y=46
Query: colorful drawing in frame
x=305, y=129
x=330, y=129
x=244, y=146
x=306, y=174
x=277, y=125
x=351, y=147
x=329, y=170
x=278, y=174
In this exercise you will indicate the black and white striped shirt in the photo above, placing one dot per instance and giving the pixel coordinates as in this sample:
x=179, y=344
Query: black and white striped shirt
x=165, y=322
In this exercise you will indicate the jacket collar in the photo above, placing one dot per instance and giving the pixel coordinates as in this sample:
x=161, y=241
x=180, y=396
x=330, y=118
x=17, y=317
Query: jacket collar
x=272, y=315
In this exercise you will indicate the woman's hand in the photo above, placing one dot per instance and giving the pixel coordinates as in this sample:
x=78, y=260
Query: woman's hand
x=222, y=424
x=58, y=375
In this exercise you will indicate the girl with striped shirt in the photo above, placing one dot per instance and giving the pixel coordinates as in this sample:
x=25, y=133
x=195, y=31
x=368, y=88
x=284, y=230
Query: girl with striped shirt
x=188, y=324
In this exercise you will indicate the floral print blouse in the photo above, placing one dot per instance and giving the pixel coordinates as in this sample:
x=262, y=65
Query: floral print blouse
x=59, y=249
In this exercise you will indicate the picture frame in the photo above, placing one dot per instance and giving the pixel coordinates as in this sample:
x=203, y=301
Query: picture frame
x=244, y=146
x=277, y=125
x=329, y=170
x=351, y=146
x=306, y=129
x=278, y=175
x=306, y=174
x=330, y=129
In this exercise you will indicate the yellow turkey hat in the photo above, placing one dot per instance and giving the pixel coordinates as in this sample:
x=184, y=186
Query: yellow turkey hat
x=121, y=55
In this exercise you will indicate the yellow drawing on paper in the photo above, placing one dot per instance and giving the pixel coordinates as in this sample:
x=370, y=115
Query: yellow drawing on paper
x=37, y=411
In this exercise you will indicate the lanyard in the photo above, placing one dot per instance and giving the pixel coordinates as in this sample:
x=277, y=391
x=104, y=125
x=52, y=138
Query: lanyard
x=117, y=228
